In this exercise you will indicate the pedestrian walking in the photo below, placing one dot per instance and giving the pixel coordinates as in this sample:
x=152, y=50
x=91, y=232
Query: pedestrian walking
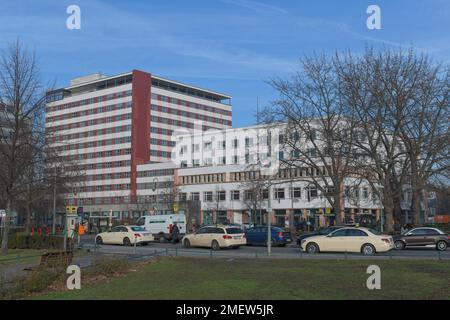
x=175, y=233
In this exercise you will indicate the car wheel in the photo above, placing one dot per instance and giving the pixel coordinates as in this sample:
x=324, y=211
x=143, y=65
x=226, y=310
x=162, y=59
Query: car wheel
x=161, y=238
x=399, y=245
x=187, y=243
x=312, y=248
x=368, y=249
x=126, y=242
x=99, y=240
x=441, y=245
x=215, y=245
x=236, y=247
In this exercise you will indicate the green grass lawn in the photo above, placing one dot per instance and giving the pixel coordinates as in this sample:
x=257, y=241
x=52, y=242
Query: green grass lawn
x=15, y=256
x=199, y=278
x=22, y=256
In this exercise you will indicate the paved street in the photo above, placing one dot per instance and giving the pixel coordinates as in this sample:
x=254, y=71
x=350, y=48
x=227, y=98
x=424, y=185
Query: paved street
x=289, y=252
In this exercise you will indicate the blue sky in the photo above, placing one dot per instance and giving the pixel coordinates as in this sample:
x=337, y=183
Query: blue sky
x=230, y=46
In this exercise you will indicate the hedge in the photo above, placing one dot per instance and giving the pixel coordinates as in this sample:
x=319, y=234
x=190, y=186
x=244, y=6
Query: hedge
x=23, y=240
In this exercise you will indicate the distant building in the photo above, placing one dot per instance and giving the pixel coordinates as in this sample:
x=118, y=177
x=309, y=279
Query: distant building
x=112, y=125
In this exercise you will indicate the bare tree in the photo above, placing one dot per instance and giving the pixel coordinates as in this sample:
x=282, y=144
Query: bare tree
x=425, y=131
x=318, y=135
x=399, y=104
x=255, y=196
x=22, y=94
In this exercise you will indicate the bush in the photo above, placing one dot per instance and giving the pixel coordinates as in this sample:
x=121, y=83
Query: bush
x=108, y=266
x=23, y=240
x=37, y=281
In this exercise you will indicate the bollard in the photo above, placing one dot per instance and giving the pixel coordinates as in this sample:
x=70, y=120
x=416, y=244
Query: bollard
x=210, y=253
x=439, y=255
x=155, y=252
x=301, y=254
x=346, y=255
x=176, y=252
x=256, y=254
x=135, y=240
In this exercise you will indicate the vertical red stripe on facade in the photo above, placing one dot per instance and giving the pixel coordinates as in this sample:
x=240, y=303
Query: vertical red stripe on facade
x=140, y=125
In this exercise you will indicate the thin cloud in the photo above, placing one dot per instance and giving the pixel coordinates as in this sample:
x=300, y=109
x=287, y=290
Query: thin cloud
x=256, y=6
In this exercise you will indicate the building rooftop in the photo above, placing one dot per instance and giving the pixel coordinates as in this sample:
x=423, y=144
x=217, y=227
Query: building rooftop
x=99, y=81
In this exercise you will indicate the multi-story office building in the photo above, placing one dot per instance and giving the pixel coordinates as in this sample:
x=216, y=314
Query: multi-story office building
x=237, y=176
x=109, y=126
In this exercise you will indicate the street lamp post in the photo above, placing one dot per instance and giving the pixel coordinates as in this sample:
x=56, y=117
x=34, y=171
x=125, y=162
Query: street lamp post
x=269, y=233
x=54, y=204
x=155, y=189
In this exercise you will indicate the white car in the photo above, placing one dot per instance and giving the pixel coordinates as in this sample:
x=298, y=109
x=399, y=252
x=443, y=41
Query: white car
x=216, y=237
x=126, y=235
x=363, y=240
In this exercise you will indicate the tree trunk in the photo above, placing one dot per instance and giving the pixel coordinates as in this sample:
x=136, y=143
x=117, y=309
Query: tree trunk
x=388, y=205
x=6, y=229
x=28, y=219
x=415, y=207
x=415, y=192
x=338, y=209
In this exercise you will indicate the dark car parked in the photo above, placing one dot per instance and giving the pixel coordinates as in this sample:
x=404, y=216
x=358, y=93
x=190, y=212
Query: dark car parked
x=320, y=232
x=258, y=236
x=420, y=237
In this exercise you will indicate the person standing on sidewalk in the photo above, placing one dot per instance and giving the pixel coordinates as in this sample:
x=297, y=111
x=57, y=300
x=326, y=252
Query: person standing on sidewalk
x=175, y=233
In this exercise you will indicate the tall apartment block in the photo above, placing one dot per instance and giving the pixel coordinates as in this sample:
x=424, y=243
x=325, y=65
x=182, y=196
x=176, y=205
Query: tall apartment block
x=112, y=125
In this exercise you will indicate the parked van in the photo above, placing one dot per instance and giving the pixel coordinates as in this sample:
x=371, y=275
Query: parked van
x=160, y=226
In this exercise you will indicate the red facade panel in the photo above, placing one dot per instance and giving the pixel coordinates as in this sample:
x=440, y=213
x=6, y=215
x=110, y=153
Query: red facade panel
x=140, y=129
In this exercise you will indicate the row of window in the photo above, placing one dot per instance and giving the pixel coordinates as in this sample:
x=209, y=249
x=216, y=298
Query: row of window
x=84, y=102
x=92, y=133
x=105, y=176
x=160, y=142
x=191, y=115
x=156, y=173
x=155, y=185
x=192, y=105
x=246, y=195
x=108, y=108
x=203, y=178
x=222, y=145
x=93, y=144
x=100, y=154
x=101, y=188
x=162, y=131
x=103, y=200
x=103, y=165
x=160, y=154
x=92, y=122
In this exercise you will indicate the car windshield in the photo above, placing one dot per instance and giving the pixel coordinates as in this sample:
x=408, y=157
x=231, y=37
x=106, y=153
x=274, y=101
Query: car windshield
x=137, y=228
x=234, y=230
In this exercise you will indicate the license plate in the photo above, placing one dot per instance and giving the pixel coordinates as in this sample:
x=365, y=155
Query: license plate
x=236, y=237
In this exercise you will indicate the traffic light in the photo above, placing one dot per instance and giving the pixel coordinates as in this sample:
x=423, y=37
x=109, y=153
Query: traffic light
x=71, y=209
